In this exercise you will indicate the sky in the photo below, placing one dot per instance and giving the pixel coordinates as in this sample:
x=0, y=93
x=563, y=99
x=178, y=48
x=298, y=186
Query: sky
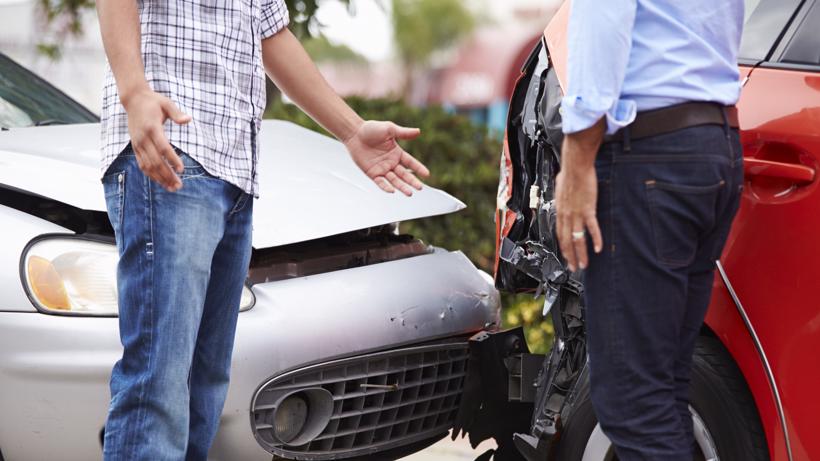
x=368, y=32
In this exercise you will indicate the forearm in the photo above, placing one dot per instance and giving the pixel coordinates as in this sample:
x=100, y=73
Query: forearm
x=292, y=70
x=120, y=29
x=581, y=148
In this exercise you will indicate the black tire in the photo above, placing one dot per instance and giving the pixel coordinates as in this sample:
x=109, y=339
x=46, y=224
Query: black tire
x=719, y=395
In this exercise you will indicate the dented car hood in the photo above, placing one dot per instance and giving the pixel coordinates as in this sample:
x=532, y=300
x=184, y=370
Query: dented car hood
x=309, y=186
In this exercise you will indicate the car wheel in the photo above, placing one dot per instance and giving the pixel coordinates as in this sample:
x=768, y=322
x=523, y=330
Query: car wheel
x=727, y=426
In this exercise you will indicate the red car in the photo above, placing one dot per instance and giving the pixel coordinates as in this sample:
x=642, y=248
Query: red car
x=757, y=368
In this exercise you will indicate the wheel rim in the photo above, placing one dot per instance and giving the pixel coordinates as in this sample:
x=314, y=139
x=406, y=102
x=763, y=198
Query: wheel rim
x=599, y=447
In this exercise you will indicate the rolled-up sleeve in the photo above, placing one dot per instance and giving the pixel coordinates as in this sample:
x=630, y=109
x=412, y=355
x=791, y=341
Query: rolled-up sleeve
x=275, y=17
x=599, y=44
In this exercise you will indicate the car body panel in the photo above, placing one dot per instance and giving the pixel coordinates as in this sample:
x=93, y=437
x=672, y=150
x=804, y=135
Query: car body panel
x=294, y=323
x=723, y=320
x=777, y=223
x=334, y=196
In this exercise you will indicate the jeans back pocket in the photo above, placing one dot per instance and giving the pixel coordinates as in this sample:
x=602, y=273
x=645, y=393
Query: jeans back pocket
x=681, y=215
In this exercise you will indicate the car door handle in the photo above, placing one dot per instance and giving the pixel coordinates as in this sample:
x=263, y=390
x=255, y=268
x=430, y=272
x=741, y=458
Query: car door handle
x=799, y=174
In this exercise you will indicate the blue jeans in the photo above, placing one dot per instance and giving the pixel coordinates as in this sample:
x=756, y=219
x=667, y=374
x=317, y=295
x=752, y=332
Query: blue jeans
x=665, y=207
x=183, y=260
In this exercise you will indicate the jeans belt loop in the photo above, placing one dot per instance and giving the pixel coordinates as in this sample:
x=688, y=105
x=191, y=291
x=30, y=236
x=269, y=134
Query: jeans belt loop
x=726, y=128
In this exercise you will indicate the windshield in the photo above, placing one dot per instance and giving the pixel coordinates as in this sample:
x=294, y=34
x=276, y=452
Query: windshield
x=27, y=100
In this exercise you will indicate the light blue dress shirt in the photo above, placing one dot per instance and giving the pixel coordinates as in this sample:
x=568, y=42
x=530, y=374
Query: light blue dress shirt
x=627, y=56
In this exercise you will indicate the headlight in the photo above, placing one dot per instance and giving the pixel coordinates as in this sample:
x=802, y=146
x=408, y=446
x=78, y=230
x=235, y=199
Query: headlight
x=68, y=275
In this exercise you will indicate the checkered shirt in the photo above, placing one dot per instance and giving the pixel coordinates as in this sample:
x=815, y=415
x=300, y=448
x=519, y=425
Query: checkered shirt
x=206, y=56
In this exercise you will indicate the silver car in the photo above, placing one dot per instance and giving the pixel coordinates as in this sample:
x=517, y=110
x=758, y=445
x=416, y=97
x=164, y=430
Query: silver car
x=352, y=340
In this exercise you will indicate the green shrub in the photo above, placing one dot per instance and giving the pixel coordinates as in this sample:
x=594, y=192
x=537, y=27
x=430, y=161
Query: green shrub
x=463, y=159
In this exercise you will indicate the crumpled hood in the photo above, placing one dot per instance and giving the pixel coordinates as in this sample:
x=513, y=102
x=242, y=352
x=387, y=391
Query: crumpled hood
x=309, y=186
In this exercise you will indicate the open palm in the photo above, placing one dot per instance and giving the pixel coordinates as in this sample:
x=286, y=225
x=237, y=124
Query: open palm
x=376, y=151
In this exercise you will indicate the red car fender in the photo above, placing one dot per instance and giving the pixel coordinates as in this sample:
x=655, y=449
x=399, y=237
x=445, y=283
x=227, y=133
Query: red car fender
x=725, y=321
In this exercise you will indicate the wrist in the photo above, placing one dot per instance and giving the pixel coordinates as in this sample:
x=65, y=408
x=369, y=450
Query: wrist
x=350, y=128
x=131, y=92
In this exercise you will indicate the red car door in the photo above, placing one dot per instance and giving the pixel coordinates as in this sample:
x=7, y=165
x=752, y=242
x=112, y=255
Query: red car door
x=772, y=258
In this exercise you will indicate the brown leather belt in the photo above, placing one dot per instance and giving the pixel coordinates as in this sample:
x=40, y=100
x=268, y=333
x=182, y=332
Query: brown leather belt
x=668, y=119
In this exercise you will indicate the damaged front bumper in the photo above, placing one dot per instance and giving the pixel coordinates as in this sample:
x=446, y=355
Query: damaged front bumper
x=520, y=399
x=514, y=397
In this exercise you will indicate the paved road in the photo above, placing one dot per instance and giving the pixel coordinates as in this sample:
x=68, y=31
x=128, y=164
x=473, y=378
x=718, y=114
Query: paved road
x=448, y=450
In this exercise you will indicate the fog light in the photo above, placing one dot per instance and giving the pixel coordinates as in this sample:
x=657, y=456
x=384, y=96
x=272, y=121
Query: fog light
x=290, y=418
x=301, y=416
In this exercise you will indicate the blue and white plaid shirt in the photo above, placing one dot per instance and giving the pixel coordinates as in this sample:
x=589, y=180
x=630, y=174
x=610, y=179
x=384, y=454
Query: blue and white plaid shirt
x=206, y=56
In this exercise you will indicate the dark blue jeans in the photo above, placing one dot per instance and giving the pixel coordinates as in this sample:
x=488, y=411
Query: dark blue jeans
x=183, y=259
x=665, y=206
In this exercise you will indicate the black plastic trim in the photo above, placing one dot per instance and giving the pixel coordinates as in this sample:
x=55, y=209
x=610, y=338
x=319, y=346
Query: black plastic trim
x=749, y=62
x=452, y=341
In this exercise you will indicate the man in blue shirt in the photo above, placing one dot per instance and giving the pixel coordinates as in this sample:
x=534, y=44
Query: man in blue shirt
x=652, y=173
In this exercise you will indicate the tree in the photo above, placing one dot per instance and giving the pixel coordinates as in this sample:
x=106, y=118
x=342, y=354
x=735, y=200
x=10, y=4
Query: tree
x=303, y=16
x=422, y=27
x=321, y=49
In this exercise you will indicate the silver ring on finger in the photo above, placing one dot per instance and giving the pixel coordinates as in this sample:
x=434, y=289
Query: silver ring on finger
x=578, y=235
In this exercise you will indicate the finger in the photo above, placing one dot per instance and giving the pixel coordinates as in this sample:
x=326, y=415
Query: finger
x=401, y=132
x=384, y=184
x=561, y=228
x=174, y=113
x=579, y=245
x=408, y=177
x=161, y=170
x=137, y=155
x=564, y=234
x=169, y=154
x=410, y=162
x=398, y=183
x=149, y=160
x=595, y=233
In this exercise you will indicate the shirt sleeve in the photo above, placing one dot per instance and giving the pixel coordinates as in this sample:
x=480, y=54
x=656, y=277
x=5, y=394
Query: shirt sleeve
x=599, y=43
x=275, y=17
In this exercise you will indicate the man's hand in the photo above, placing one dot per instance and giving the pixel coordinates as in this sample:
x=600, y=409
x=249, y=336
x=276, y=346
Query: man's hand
x=147, y=112
x=375, y=150
x=372, y=145
x=576, y=196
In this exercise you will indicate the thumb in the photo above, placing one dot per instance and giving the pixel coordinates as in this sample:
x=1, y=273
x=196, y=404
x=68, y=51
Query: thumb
x=401, y=132
x=174, y=113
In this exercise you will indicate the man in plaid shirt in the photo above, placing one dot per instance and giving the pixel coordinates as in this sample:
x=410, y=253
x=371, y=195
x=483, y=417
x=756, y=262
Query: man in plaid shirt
x=182, y=107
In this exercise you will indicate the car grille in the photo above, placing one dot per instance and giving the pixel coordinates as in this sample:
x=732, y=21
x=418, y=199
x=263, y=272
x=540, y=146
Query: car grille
x=380, y=400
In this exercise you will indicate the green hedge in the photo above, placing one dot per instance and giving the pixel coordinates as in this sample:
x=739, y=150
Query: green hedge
x=463, y=159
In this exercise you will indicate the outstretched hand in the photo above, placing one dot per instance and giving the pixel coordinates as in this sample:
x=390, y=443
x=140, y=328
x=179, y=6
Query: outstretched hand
x=375, y=150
